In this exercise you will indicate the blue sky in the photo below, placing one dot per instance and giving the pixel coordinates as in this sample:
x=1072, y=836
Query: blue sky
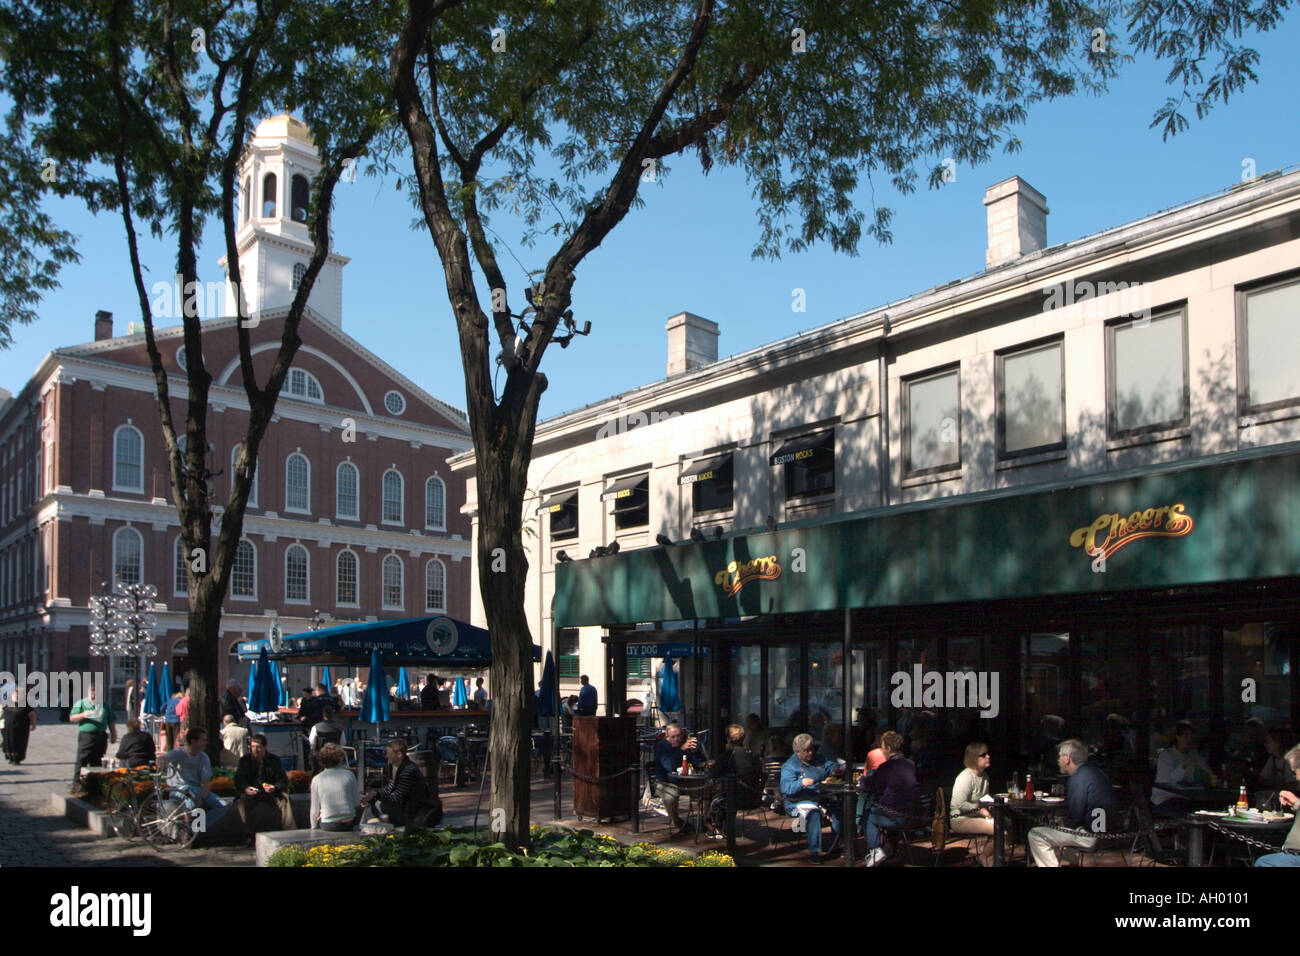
x=689, y=247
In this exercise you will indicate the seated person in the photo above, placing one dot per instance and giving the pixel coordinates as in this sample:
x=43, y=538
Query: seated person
x=1179, y=764
x=263, y=789
x=742, y=766
x=429, y=699
x=136, y=748
x=1089, y=802
x=326, y=731
x=1275, y=773
x=668, y=759
x=893, y=788
x=334, y=800
x=967, y=814
x=801, y=778
x=755, y=735
x=776, y=748
x=1291, y=802
x=234, y=741
x=191, y=771
x=405, y=797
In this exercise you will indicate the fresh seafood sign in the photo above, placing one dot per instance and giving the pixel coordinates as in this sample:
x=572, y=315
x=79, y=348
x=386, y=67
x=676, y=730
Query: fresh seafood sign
x=1110, y=532
x=739, y=573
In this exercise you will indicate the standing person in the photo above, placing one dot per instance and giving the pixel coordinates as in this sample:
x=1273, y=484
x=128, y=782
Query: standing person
x=130, y=699
x=171, y=722
x=968, y=813
x=480, y=696
x=586, y=698
x=1088, y=804
x=19, y=724
x=231, y=703
x=96, y=728
x=893, y=785
x=429, y=694
x=183, y=712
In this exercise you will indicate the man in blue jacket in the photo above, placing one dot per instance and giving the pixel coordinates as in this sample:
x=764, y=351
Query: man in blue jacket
x=801, y=779
x=669, y=753
x=1089, y=803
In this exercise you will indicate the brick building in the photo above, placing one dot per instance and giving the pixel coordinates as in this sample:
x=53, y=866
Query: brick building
x=354, y=514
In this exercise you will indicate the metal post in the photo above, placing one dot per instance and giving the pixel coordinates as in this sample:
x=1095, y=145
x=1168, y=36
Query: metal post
x=847, y=823
x=635, y=806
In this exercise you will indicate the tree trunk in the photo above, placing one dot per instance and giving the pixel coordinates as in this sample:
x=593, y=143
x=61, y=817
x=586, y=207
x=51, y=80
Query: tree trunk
x=204, y=656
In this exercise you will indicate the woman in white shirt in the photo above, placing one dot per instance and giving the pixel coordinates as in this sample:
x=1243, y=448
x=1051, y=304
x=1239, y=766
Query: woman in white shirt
x=334, y=799
x=966, y=814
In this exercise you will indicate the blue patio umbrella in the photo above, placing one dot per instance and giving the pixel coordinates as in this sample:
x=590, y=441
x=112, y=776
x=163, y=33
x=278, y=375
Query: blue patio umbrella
x=374, y=705
x=458, y=696
x=403, y=684
x=546, y=693
x=155, y=701
x=265, y=695
x=252, y=679
x=668, y=697
x=327, y=680
x=168, y=688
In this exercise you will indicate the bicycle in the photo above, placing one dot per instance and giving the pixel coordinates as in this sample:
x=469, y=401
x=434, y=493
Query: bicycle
x=123, y=803
x=165, y=817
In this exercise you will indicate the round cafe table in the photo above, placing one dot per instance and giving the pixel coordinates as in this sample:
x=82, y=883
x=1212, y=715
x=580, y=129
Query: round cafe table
x=1033, y=810
x=1197, y=823
x=695, y=786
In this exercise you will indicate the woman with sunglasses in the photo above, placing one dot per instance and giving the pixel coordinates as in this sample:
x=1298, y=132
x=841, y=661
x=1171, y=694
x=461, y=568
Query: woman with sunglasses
x=967, y=815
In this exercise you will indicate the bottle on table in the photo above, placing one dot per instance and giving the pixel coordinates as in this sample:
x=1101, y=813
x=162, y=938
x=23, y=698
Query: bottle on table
x=1029, y=786
x=1243, y=801
x=685, y=766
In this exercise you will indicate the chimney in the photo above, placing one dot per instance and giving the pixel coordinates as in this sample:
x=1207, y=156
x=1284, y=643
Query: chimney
x=692, y=342
x=1017, y=221
x=103, y=325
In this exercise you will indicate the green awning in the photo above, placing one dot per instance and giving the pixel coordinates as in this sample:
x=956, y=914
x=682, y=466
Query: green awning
x=1234, y=517
x=705, y=470
x=804, y=447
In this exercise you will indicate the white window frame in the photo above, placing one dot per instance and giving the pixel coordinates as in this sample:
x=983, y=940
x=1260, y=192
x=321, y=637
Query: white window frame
x=383, y=584
x=135, y=489
x=306, y=574
x=288, y=507
x=435, y=608
x=356, y=580
x=234, y=559
x=178, y=551
x=119, y=534
x=401, y=499
x=308, y=380
x=356, y=491
x=428, y=482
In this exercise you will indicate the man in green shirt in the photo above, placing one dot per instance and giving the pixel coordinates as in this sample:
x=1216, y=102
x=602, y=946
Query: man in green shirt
x=96, y=729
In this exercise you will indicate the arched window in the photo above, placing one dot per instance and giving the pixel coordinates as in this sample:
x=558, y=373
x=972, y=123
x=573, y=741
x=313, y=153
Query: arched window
x=435, y=586
x=392, y=497
x=346, y=501
x=248, y=196
x=180, y=580
x=345, y=578
x=295, y=573
x=268, y=196
x=299, y=271
x=297, y=483
x=393, y=583
x=252, y=484
x=303, y=384
x=243, y=573
x=435, y=504
x=298, y=197
x=128, y=550
x=128, y=459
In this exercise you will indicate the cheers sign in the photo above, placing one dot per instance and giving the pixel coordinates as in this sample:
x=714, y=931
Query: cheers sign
x=739, y=573
x=1110, y=532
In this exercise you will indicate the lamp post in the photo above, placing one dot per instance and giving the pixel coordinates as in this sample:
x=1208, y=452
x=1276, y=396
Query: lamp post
x=122, y=623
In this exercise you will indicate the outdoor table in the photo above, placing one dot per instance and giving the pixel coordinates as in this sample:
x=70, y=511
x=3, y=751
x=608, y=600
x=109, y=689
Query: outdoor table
x=695, y=786
x=1026, y=808
x=1197, y=822
x=848, y=792
x=1200, y=798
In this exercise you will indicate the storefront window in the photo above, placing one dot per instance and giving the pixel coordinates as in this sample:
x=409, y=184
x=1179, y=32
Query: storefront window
x=783, y=705
x=825, y=686
x=1180, y=684
x=746, y=683
x=1256, y=690
x=1044, y=663
x=1109, y=696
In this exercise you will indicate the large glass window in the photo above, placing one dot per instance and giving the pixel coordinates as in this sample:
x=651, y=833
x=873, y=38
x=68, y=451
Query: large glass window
x=1044, y=696
x=784, y=707
x=128, y=459
x=392, y=497
x=932, y=430
x=1268, y=322
x=1031, y=399
x=1148, y=380
x=345, y=578
x=562, y=513
x=303, y=384
x=435, y=504
x=346, y=503
x=180, y=577
x=435, y=586
x=825, y=686
x=809, y=463
x=295, y=573
x=243, y=573
x=746, y=683
x=711, y=482
x=297, y=483
x=128, y=548
x=631, y=497
x=393, y=582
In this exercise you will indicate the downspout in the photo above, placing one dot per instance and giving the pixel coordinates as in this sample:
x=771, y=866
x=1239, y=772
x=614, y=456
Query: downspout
x=883, y=364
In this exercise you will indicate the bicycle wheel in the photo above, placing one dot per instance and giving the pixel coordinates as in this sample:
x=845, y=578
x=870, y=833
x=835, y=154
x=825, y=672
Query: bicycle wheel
x=121, y=808
x=165, y=821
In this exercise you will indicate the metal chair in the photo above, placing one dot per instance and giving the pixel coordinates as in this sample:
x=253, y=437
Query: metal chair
x=1154, y=847
x=942, y=835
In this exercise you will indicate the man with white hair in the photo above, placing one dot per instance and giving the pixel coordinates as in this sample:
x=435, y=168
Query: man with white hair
x=801, y=779
x=1291, y=801
x=1089, y=802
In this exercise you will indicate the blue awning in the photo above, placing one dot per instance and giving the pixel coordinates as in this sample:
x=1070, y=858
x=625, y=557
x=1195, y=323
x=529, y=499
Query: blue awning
x=433, y=639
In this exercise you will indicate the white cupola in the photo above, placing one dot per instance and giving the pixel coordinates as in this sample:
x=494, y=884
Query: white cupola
x=275, y=180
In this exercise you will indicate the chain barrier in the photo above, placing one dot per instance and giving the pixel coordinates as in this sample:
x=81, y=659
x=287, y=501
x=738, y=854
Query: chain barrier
x=1250, y=841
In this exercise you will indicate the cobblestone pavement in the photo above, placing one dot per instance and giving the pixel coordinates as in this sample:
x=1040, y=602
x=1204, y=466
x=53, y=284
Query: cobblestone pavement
x=33, y=834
